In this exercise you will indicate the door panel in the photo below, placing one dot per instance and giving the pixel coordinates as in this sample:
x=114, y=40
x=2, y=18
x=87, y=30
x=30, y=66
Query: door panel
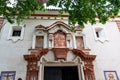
x=61, y=73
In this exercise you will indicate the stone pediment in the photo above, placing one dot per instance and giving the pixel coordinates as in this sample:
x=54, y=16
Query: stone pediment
x=59, y=25
x=40, y=27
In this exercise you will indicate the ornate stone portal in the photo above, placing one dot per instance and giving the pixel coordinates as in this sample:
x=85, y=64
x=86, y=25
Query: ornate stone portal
x=39, y=58
x=86, y=63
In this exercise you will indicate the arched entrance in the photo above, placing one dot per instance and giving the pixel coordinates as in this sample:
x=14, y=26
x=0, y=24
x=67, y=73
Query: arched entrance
x=60, y=42
x=38, y=64
x=60, y=69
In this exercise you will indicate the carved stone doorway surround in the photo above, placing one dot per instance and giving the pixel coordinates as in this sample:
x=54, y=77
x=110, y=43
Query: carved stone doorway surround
x=37, y=61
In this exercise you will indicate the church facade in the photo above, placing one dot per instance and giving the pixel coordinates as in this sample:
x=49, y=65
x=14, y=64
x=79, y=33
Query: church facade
x=43, y=47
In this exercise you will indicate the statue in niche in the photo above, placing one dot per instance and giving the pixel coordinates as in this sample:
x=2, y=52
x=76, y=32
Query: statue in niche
x=59, y=39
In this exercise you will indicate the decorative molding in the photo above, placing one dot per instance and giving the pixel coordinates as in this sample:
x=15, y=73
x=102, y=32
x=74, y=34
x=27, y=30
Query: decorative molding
x=37, y=58
x=59, y=23
x=60, y=57
x=61, y=63
x=50, y=15
x=40, y=27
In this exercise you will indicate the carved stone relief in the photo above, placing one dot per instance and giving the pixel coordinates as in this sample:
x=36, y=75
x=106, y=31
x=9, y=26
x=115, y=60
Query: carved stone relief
x=59, y=39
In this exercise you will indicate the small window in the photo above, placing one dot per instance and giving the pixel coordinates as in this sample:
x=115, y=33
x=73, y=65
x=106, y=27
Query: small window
x=100, y=34
x=97, y=34
x=16, y=33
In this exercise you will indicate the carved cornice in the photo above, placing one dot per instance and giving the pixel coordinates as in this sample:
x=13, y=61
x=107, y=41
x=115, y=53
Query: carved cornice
x=59, y=23
x=35, y=56
x=84, y=56
x=40, y=27
x=60, y=53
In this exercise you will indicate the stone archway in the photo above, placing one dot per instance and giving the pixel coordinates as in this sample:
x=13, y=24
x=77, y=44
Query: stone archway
x=61, y=65
x=33, y=59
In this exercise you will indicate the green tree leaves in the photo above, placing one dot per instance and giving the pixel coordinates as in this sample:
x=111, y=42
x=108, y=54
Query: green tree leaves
x=83, y=11
x=80, y=11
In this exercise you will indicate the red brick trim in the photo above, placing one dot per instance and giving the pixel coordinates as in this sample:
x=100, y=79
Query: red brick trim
x=118, y=24
x=1, y=23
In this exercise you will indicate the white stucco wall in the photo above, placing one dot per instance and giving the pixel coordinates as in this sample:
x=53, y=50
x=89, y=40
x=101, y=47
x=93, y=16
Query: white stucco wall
x=107, y=52
x=11, y=53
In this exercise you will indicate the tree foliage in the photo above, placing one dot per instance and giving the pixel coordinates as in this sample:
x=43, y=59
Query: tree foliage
x=80, y=11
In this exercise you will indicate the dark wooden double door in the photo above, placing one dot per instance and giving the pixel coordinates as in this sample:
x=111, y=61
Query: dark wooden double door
x=61, y=73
